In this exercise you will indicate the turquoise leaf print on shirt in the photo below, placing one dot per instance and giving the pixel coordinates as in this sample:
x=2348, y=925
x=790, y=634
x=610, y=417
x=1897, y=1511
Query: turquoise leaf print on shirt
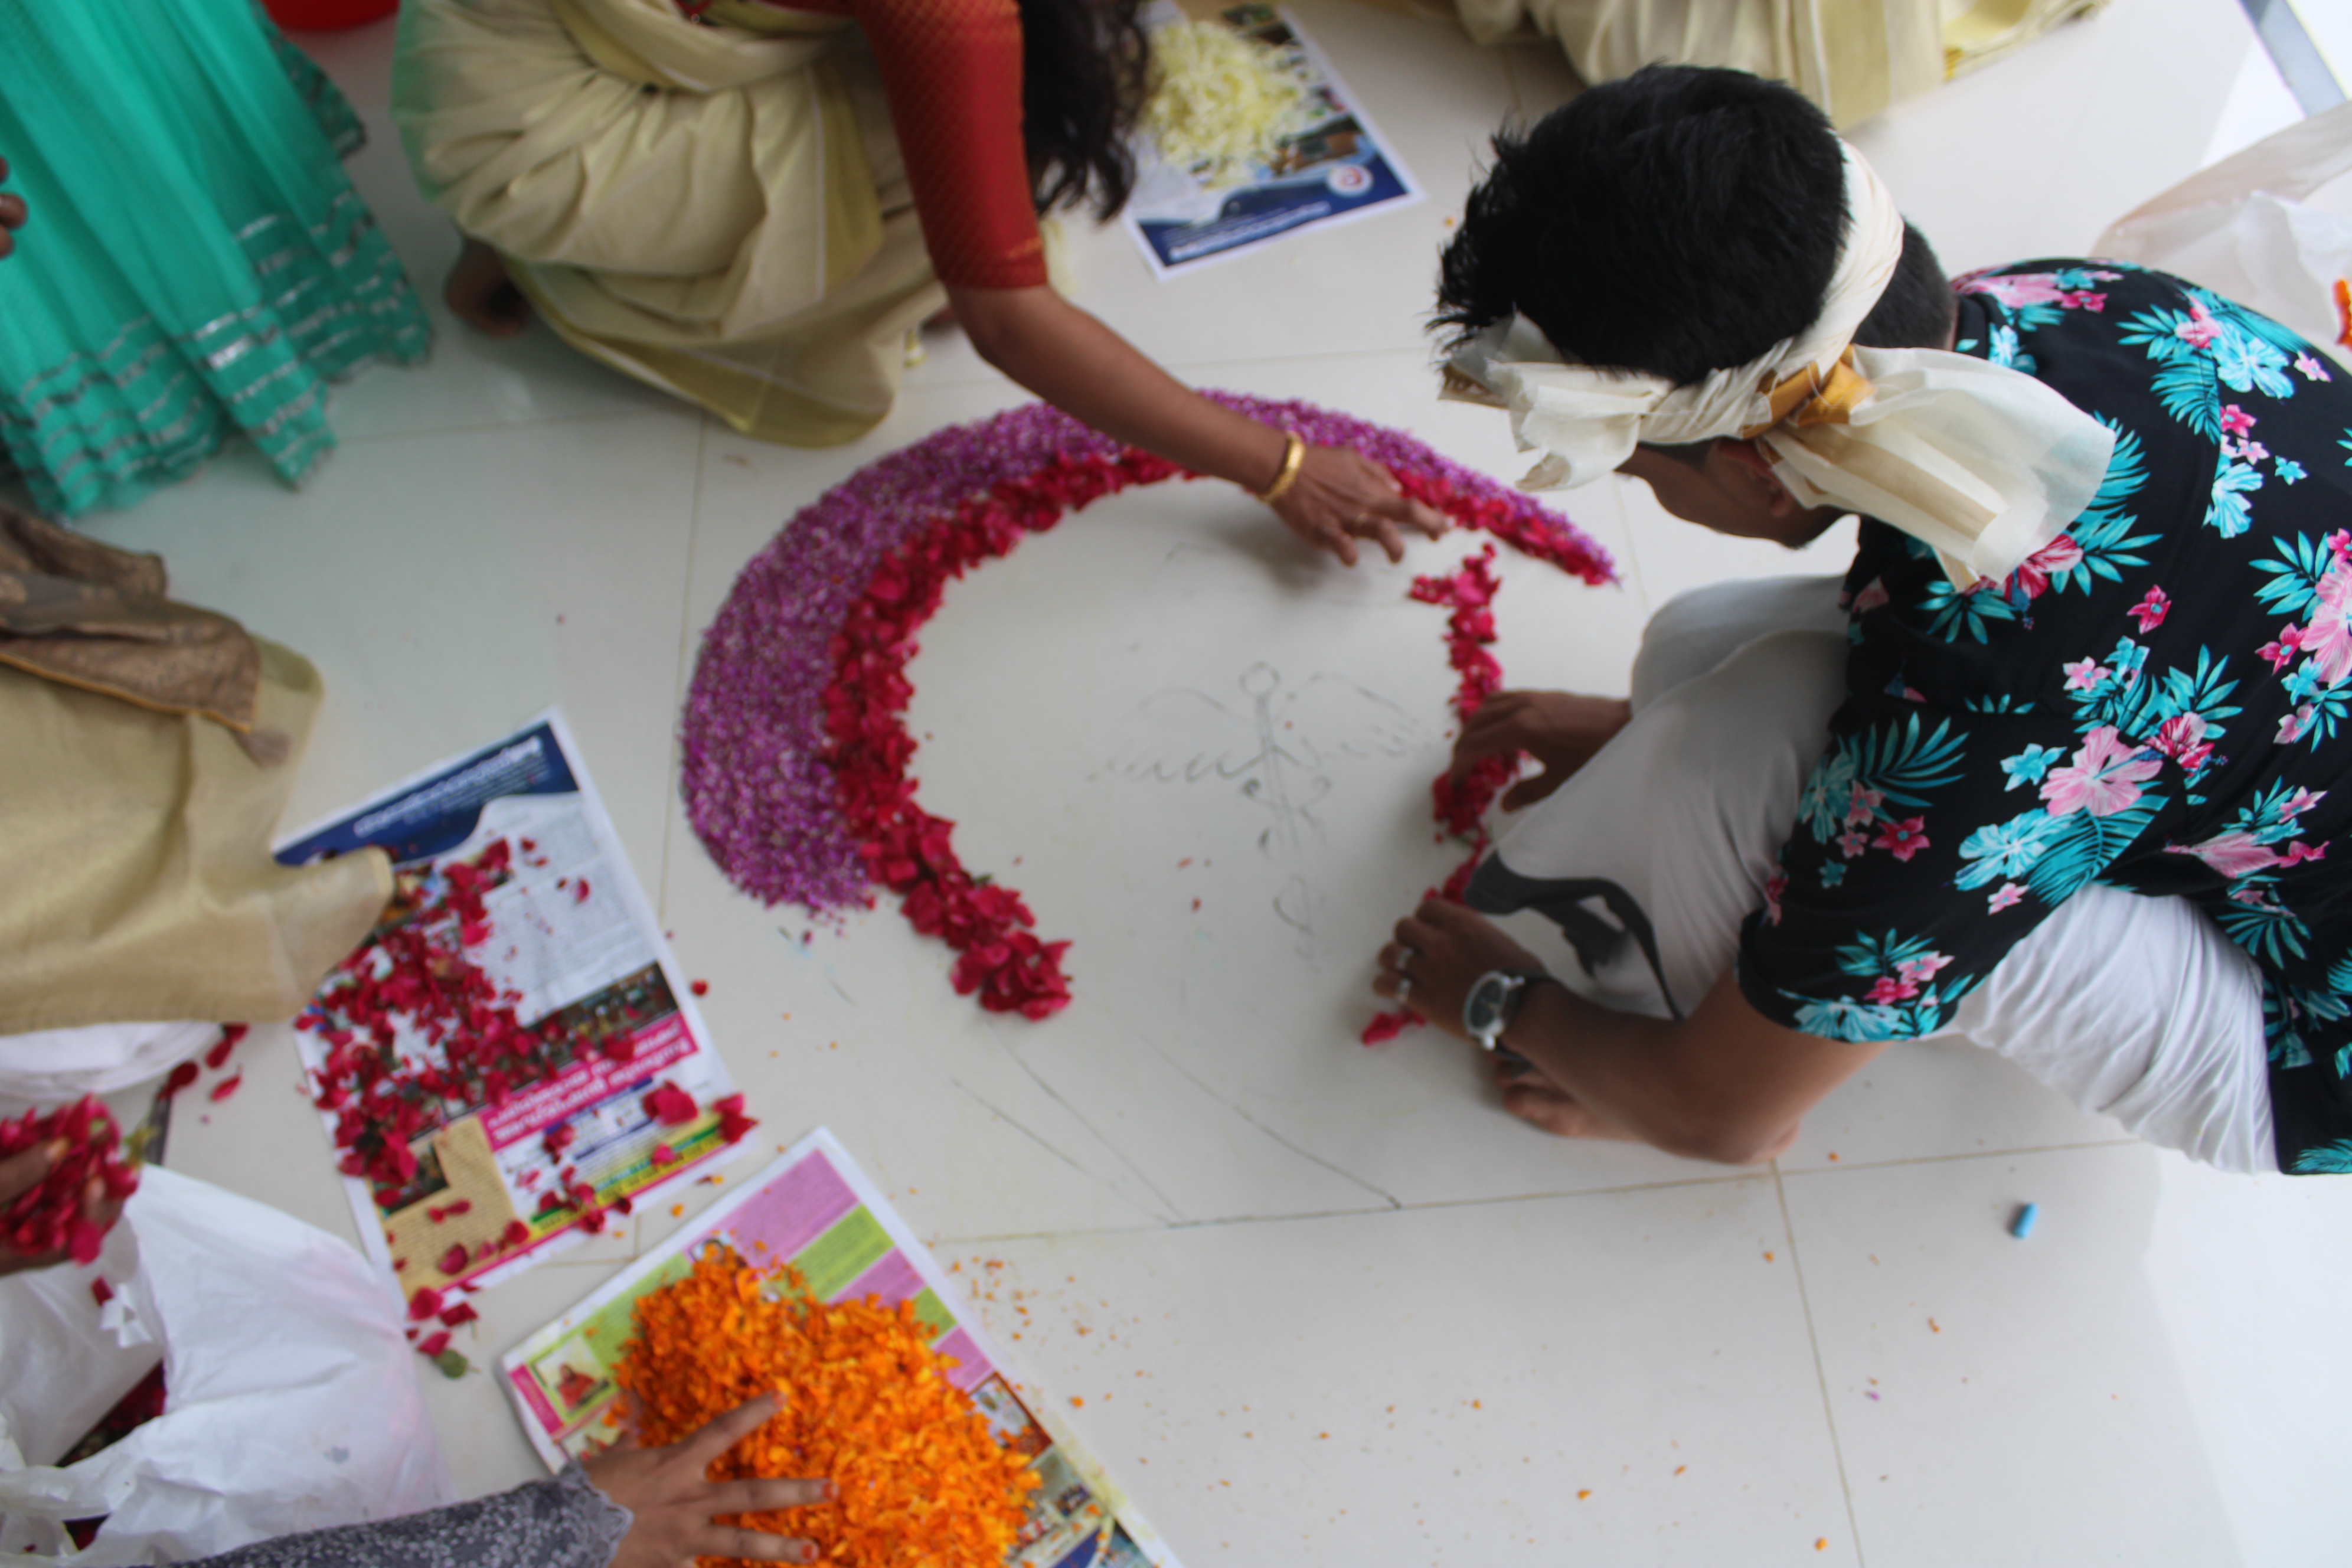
x=2293, y=586
x=2184, y=382
x=2103, y=530
x=1892, y=764
x=2333, y=1159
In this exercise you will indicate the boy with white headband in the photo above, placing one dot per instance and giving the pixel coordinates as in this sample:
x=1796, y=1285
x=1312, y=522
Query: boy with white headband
x=2055, y=765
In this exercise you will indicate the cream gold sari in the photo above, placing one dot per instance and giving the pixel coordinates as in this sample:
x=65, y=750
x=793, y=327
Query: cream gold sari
x=1853, y=57
x=717, y=210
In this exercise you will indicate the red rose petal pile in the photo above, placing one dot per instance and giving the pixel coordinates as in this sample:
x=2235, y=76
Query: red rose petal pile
x=906, y=849
x=417, y=972
x=1461, y=805
x=48, y=1218
x=795, y=751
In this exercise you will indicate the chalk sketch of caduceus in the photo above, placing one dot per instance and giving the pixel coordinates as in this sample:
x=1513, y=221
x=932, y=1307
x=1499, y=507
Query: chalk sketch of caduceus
x=1277, y=744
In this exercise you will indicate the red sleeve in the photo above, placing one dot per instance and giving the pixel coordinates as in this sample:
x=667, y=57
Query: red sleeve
x=951, y=69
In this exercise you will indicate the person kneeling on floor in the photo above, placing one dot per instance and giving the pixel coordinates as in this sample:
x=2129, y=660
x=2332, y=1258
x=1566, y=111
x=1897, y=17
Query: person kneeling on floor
x=2053, y=767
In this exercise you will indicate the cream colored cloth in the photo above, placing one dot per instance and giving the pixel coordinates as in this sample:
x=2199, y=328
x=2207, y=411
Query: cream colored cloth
x=1853, y=57
x=135, y=853
x=1982, y=462
x=717, y=210
x=2269, y=227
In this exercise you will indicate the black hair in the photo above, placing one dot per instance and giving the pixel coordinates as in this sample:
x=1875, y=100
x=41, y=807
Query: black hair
x=1678, y=221
x=1084, y=68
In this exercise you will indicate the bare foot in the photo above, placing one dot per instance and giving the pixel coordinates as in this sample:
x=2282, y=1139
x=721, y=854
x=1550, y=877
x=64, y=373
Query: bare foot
x=1539, y=1102
x=481, y=293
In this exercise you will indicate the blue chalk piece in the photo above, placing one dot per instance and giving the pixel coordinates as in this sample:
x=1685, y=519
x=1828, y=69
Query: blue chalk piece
x=2022, y=1226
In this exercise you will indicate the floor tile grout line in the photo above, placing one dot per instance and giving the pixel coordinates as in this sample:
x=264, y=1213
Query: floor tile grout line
x=1161, y=1221
x=1433, y=1206
x=1952, y=1159
x=685, y=635
x=1821, y=1376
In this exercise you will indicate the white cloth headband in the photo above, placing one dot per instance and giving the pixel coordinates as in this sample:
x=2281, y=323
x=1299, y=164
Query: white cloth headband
x=1984, y=463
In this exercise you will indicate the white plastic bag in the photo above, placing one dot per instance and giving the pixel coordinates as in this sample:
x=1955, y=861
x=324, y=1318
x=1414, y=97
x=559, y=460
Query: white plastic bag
x=2269, y=227
x=291, y=1401
x=52, y=1065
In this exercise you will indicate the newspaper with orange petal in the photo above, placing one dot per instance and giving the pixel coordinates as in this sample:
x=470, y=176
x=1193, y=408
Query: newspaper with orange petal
x=816, y=1210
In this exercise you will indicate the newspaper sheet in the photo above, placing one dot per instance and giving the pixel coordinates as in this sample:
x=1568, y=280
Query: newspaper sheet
x=814, y=1209
x=1335, y=169
x=569, y=934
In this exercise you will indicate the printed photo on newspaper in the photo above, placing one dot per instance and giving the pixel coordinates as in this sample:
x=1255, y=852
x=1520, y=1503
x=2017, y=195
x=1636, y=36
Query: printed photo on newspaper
x=1251, y=135
x=816, y=1211
x=511, y=1057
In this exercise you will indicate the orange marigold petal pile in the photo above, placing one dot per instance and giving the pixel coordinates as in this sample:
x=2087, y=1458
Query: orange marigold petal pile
x=867, y=1403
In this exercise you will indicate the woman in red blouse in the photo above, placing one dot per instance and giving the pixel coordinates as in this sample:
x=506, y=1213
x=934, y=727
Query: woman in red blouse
x=752, y=206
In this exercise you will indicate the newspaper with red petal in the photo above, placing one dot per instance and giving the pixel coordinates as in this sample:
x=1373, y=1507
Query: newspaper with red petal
x=816, y=1210
x=511, y=1057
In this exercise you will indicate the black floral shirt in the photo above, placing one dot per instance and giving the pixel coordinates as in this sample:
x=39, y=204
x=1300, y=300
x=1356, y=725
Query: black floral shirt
x=2159, y=701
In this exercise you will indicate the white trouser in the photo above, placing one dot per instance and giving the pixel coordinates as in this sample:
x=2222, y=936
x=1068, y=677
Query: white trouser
x=2138, y=1008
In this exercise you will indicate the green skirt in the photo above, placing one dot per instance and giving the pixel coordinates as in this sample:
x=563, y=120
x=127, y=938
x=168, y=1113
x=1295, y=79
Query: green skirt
x=193, y=263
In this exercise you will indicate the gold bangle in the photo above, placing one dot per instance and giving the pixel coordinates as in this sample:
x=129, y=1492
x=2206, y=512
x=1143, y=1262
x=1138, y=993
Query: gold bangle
x=1294, y=455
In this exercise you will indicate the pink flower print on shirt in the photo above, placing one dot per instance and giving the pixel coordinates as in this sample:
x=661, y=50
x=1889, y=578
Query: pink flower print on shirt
x=2104, y=778
x=2234, y=854
x=2290, y=727
x=2151, y=610
x=1919, y=970
x=1774, y=886
x=2326, y=637
x=2298, y=852
x=2016, y=290
x=2182, y=738
x=2236, y=420
x=2311, y=368
x=1861, y=806
x=1872, y=596
x=2005, y=895
x=1889, y=990
x=2200, y=330
x=2055, y=559
x=1903, y=839
x=1852, y=842
x=2084, y=675
x=2279, y=654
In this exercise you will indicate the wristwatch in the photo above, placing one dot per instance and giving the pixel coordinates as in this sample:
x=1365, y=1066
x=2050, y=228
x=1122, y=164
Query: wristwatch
x=1494, y=1001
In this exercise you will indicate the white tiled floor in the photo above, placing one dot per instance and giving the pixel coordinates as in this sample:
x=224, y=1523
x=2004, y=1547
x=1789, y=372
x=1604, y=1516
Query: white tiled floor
x=1325, y=1305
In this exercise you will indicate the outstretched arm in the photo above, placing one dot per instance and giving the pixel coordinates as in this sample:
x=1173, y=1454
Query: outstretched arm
x=1080, y=365
x=1727, y=1084
x=625, y=1508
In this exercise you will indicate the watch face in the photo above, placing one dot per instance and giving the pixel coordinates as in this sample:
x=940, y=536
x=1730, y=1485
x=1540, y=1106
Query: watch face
x=1483, y=1012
